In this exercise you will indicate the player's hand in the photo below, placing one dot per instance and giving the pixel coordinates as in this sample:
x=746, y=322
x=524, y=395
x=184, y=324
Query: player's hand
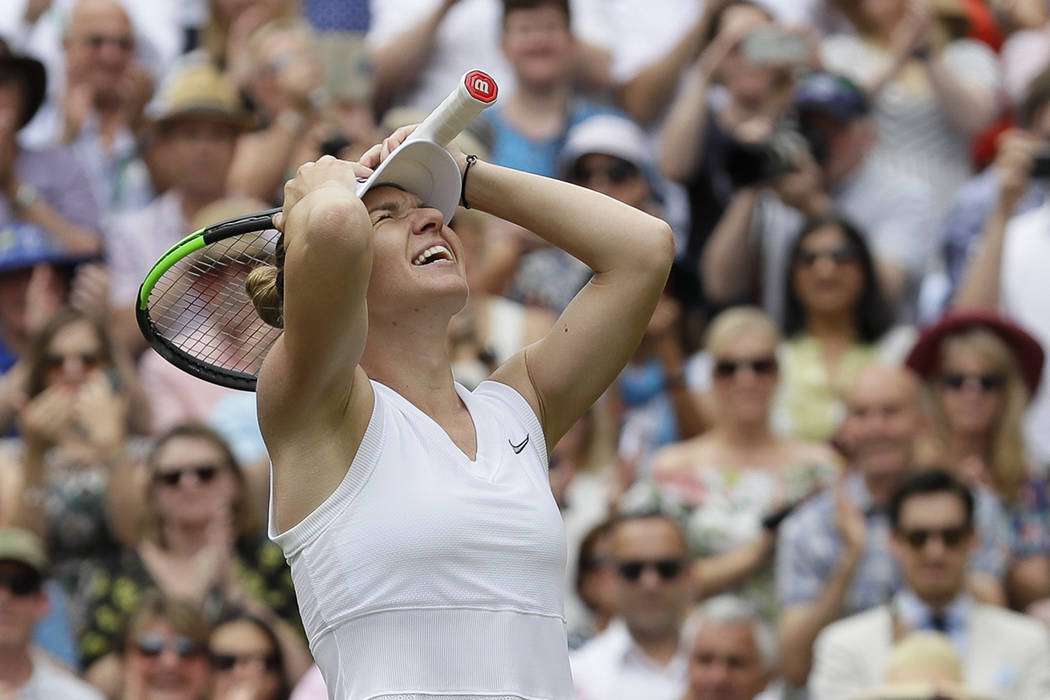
x=325, y=172
x=381, y=151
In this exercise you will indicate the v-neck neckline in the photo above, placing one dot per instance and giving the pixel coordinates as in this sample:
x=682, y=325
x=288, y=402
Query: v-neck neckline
x=450, y=444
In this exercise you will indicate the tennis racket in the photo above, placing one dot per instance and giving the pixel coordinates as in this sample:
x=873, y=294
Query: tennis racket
x=192, y=307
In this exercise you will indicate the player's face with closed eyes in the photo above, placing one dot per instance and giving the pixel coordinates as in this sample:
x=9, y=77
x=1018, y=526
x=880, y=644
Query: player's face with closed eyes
x=414, y=253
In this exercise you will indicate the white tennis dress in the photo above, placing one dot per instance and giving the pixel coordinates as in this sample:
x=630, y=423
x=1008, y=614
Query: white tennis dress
x=426, y=574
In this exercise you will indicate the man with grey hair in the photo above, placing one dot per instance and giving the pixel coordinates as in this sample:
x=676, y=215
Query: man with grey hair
x=733, y=654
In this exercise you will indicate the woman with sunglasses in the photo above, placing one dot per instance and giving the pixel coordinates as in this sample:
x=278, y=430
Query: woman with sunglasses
x=246, y=660
x=740, y=478
x=836, y=322
x=980, y=370
x=199, y=541
x=163, y=652
x=73, y=481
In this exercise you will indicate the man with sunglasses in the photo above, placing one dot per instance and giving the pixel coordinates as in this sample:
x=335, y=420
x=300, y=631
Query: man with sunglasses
x=1004, y=654
x=833, y=553
x=641, y=653
x=25, y=672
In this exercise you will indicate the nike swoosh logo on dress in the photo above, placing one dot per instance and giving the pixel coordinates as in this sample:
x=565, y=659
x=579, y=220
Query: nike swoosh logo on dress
x=519, y=447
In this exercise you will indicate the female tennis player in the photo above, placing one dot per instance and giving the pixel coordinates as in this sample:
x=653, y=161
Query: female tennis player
x=425, y=546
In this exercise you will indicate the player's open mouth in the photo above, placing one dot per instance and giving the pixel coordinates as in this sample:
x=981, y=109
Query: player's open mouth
x=433, y=254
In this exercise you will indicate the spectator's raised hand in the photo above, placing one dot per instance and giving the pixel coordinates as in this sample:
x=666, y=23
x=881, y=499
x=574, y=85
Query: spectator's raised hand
x=849, y=521
x=100, y=412
x=90, y=290
x=1013, y=165
x=803, y=189
x=913, y=32
x=47, y=418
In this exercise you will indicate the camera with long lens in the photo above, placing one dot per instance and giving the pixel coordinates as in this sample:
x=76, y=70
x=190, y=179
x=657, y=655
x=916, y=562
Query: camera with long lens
x=750, y=163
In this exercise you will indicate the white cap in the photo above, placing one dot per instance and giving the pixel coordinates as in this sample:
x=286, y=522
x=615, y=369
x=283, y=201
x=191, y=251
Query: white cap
x=610, y=135
x=424, y=169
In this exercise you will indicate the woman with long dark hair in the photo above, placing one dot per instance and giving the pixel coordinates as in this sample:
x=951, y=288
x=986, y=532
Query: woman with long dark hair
x=836, y=321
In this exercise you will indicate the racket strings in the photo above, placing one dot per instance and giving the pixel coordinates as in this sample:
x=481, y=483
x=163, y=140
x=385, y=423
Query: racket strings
x=200, y=306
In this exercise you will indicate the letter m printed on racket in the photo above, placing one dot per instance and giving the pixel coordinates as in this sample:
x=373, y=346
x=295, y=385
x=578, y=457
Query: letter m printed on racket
x=481, y=87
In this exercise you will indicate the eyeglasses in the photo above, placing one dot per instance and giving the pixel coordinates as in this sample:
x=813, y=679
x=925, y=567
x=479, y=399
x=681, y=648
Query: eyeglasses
x=840, y=255
x=20, y=583
x=617, y=173
x=952, y=537
x=666, y=569
x=762, y=366
x=153, y=645
x=225, y=662
x=89, y=360
x=204, y=473
x=97, y=41
x=987, y=383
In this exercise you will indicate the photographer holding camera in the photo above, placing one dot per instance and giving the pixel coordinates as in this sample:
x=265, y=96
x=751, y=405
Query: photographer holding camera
x=818, y=168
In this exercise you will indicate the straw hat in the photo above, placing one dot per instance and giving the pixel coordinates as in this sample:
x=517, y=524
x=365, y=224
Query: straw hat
x=923, y=666
x=196, y=89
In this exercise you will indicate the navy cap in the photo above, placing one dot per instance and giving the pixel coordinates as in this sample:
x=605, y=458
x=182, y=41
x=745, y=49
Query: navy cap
x=24, y=245
x=833, y=95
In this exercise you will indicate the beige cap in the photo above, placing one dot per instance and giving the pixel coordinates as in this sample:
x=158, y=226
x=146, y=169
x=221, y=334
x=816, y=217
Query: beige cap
x=23, y=547
x=196, y=88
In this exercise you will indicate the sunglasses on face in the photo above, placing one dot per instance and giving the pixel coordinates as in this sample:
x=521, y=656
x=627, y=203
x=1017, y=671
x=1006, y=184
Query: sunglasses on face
x=88, y=360
x=951, y=537
x=153, y=645
x=204, y=472
x=987, y=383
x=763, y=366
x=840, y=255
x=97, y=41
x=666, y=569
x=20, y=583
x=225, y=662
x=617, y=173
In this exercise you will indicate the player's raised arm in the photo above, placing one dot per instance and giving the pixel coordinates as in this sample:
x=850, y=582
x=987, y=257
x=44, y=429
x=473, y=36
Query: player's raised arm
x=630, y=253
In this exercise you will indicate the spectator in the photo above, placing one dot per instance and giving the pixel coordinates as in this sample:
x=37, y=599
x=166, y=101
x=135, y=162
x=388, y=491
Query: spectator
x=285, y=84
x=641, y=654
x=77, y=482
x=832, y=553
x=931, y=91
x=101, y=107
x=703, y=120
x=246, y=660
x=26, y=672
x=734, y=653
x=36, y=278
x=594, y=584
x=610, y=154
x=1007, y=271
x=834, y=173
x=980, y=369
x=163, y=652
x=531, y=121
x=200, y=542
x=45, y=186
x=420, y=48
x=836, y=321
x=739, y=471
x=226, y=36
x=980, y=198
x=1004, y=654
x=193, y=129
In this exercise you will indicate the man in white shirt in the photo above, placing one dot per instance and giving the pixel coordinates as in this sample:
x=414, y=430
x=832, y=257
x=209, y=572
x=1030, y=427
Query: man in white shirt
x=26, y=673
x=1004, y=653
x=640, y=654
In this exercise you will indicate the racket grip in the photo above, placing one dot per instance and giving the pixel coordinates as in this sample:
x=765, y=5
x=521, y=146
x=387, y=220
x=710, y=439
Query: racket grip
x=475, y=92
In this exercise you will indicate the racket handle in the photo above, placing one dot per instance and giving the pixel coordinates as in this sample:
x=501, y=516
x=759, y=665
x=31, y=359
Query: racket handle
x=475, y=92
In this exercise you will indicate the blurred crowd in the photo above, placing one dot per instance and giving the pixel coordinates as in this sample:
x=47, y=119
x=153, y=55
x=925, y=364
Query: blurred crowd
x=825, y=473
